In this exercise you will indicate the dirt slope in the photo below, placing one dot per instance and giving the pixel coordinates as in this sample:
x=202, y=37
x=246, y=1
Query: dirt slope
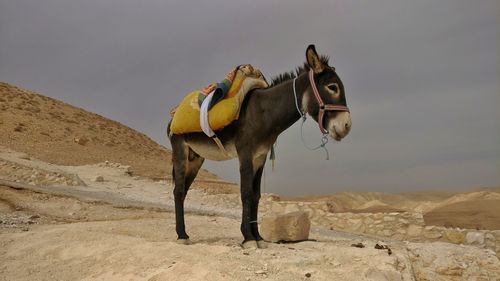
x=473, y=214
x=59, y=133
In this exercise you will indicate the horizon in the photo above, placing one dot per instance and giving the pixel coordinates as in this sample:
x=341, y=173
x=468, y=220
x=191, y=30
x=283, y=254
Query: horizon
x=422, y=79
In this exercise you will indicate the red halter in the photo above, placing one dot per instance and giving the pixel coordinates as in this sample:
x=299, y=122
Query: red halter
x=322, y=106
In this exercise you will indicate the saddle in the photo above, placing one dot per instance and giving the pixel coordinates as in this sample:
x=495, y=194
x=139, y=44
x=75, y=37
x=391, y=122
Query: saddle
x=217, y=105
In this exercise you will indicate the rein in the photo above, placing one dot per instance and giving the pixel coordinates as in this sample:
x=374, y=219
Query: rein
x=322, y=109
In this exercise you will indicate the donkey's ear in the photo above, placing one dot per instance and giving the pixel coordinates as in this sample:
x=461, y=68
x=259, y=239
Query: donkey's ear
x=313, y=60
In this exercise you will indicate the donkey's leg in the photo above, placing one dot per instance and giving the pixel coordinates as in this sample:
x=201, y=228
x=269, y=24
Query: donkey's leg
x=180, y=152
x=246, y=186
x=194, y=165
x=259, y=168
x=191, y=168
x=251, y=172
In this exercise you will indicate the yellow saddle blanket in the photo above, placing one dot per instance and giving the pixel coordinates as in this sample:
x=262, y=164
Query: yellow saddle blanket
x=186, y=116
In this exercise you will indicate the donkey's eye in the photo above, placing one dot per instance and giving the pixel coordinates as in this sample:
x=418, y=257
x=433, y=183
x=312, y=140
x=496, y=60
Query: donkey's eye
x=333, y=87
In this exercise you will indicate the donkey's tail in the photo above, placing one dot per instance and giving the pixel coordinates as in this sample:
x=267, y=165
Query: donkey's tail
x=173, y=174
x=168, y=129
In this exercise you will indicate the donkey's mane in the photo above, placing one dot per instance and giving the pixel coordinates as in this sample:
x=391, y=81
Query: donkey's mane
x=283, y=77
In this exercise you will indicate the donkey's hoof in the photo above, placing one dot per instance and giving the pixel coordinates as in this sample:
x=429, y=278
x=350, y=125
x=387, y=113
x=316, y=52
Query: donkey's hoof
x=184, y=241
x=262, y=244
x=250, y=244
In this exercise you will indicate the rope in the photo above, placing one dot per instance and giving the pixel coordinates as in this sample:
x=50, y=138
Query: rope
x=264, y=179
x=272, y=155
x=324, y=139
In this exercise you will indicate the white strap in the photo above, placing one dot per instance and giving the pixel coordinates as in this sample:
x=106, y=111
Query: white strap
x=205, y=126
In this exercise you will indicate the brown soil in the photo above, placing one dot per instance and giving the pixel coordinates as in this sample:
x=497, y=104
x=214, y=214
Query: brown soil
x=51, y=130
x=473, y=214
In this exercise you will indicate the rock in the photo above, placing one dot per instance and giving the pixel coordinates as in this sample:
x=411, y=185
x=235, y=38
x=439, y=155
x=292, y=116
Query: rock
x=386, y=232
x=389, y=218
x=99, y=179
x=432, y=232
x=356, y=225
x=475, y=238
x=24, y=157
x=293, y=226
x=489, y=236
x=445, y=261
x=81, y=141
x=490, y=241
x=260, y=272
x=454, y=236
x=383, y=246
x=368, y=221
x=358, y=245
x=291, y=208
x=404, y=221
x=401, y=231
x=18, y=128
x=382, y=275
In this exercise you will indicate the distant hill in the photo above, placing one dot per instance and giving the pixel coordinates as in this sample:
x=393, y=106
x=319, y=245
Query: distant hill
x=422, y=201
x=475, y=213
x=476, y=209
x=59, y=133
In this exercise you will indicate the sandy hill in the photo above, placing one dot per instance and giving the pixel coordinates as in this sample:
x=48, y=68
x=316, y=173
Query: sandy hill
x=421, y=201
x=383, y=202
x=473, y=213
x=59, y=133
x=476, y=209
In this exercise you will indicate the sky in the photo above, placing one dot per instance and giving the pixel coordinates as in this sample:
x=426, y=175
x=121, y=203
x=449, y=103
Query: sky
x=421, y=77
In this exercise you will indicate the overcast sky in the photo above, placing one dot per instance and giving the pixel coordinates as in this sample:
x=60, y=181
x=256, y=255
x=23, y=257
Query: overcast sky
x=421, y=77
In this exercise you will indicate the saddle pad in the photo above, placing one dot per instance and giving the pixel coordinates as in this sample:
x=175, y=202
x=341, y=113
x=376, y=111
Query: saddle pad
x=186, y=116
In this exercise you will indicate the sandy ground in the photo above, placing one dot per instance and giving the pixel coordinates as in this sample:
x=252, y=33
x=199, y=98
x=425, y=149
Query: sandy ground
x=123, y=228
x=46, y=237
x=69, y=233
x=52, y=237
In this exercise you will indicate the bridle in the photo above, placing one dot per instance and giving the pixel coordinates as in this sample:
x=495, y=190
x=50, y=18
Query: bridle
x=321, y=114
x=322, y=106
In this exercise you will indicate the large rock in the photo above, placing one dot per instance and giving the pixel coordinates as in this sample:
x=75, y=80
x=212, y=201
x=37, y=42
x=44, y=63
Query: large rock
x=414, y=230
x=454, y=236
x=475, y=238
x=99, y=179
x=445, y=261
x=293, y=226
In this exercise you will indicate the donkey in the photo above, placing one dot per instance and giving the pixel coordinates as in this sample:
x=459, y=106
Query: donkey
x=314, y=88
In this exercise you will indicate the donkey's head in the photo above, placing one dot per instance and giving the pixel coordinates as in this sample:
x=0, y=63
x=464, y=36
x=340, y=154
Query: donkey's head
x=326, y=101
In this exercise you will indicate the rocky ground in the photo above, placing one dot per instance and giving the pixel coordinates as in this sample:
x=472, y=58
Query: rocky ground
x=120, y=227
